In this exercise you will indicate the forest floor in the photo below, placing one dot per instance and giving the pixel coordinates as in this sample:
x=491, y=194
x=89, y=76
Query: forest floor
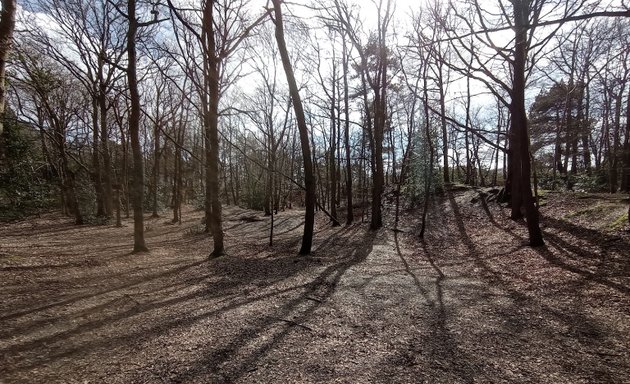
x=473, y=303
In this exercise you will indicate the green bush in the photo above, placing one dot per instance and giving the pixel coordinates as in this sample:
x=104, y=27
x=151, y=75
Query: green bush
x=27, y=185
x=596, y=182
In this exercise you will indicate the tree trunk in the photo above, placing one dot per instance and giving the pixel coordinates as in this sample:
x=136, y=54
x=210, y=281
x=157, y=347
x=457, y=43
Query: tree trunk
x=428, y=172
x=213, y=133
x=268, y=203
x=7, y=25
x=440, y=81
x=496, y=160
x=117, y=203
x=137, y=182
x=378, y=176
x=207, y=28
x=582, y=130
x=177, y=179
x=96, y=162
x=309, y=179
x=470, y=179
x=557, y=156
x=155, y=172
x=332, y=158
x=571, y=136
x=519, y=122
x=616, y=144
x=625, y=181
x=106, y=170
x=68, y=185
x=346, y=110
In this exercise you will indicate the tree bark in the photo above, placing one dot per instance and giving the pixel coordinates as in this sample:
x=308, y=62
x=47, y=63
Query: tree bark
x=625, y=181
x=428, y=172
x=440, y=80
x=346, y=109
x=7, y=25
x=96, y=161
x=519, y=126
x=106, y=170
x=332, y=158
x=309, y=178
x=137, y=182
x=212, y=132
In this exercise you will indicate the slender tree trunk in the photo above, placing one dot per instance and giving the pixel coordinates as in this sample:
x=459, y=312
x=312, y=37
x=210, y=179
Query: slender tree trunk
x=137, y=187
x=332, y=158
x=117, y=203
x=625, y=181
x=155, y=173
x=271, y=171
x=177, y=180
x=496, y=160
x=125, y=165
x=557, y=156
x=67, y=176
x=569, y=127
x=440, y=80
x=346, y=110
x=106, y=170
x=232, y=173
x=482, y=178
x=68, y=188
x=362, y=175
x=268, y=203
x=96, y=162
x=71, y=199
x=616, y=144
x=224, y=174
x=428, y=172
x=7, y=25
x=214, y=62
x=392, y=166
x=317, y=174
x=470, y=180
x=309, y=179
x=519, y=122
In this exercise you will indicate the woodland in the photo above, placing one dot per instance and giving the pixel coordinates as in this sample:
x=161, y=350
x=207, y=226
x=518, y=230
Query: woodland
x=218, y=191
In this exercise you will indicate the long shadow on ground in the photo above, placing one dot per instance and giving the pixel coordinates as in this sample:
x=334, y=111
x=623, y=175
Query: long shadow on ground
x=547, y=307
x=141, y=308
x=241, y=353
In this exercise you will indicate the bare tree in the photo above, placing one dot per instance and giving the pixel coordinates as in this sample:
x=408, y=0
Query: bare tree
x=51, y=101
x=345, y=57
x=137, y=181
x=224, y=26
x=89, y=43
x=309, y=178
x=373, y=69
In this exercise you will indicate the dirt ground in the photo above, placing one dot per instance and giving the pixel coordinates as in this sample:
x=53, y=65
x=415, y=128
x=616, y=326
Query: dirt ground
x=470, y=304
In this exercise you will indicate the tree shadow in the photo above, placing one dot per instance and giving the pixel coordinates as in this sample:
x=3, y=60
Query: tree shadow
x=531, y=312
x=155, y=304
x=574, y=259
x=109, y=289
x=273, y=326
x=590, y=235
x=423, y=291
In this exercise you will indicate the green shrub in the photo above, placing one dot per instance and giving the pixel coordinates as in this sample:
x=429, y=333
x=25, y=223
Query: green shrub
x=27, y=185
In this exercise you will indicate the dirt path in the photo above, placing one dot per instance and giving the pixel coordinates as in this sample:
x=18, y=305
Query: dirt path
x=472, y=304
